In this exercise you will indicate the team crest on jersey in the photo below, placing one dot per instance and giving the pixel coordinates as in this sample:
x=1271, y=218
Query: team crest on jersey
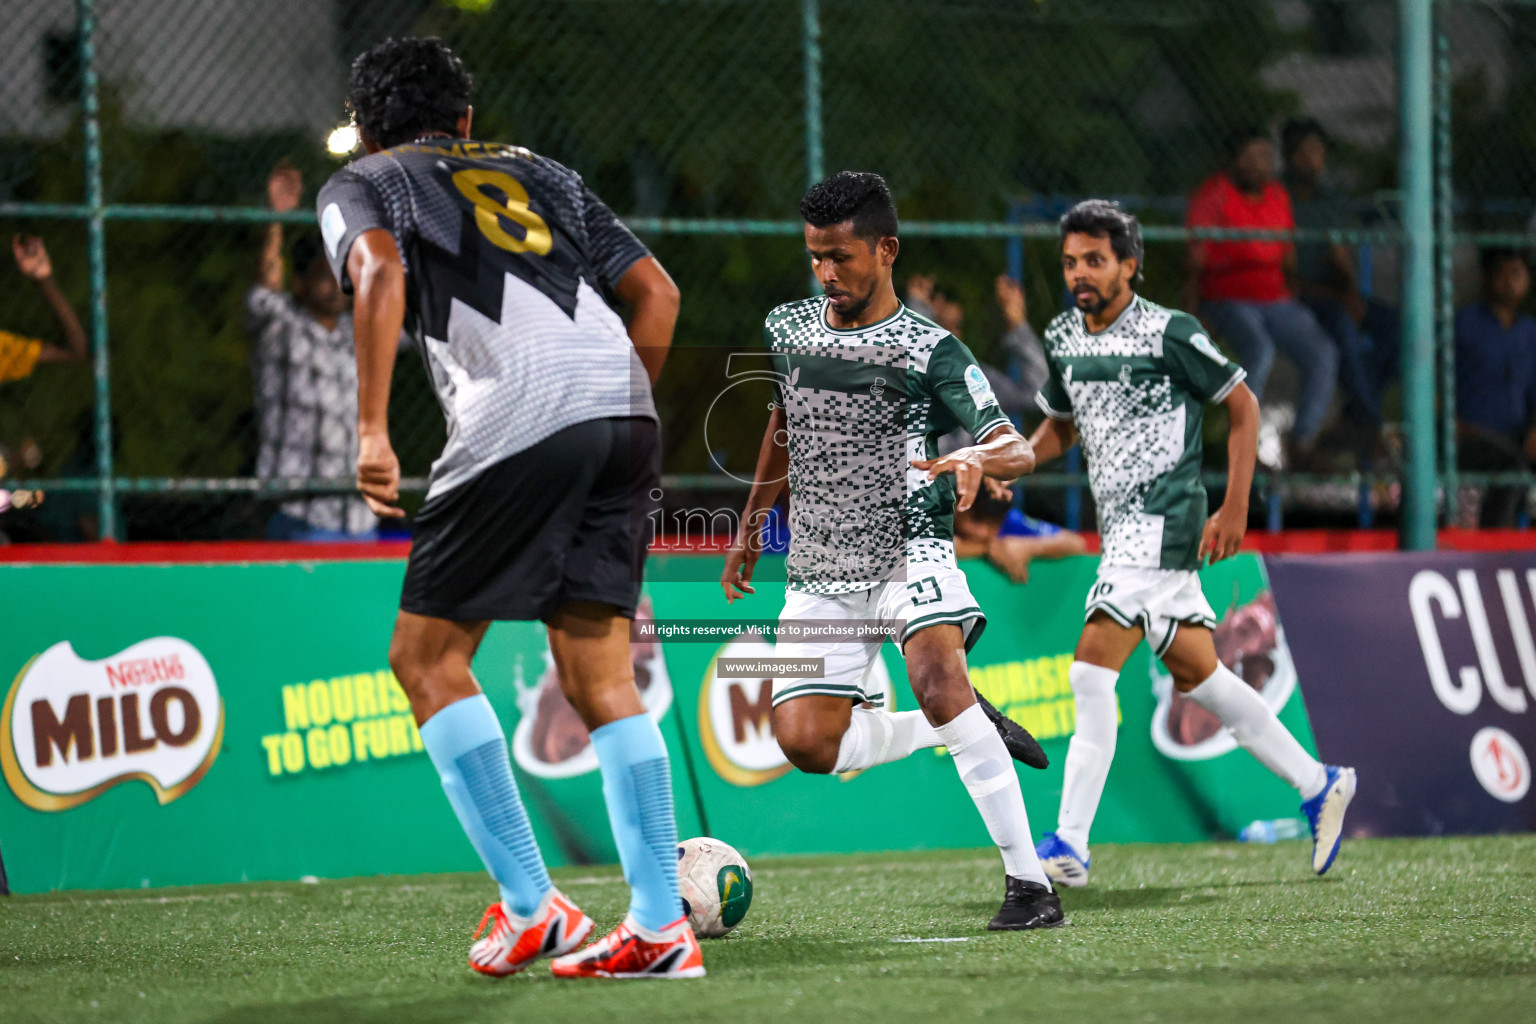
x=1204, y=346
x=976, y=384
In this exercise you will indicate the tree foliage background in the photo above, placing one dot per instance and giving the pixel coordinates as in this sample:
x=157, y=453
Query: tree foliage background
x=975, y=110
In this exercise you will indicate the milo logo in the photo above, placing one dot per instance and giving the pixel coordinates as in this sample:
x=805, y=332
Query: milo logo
x=73, y=728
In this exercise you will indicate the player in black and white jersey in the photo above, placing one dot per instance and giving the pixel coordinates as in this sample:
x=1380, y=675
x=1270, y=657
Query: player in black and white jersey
x=868, y=387
x=508, y=269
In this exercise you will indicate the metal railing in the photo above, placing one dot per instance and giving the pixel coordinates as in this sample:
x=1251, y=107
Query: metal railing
x=1425, y=233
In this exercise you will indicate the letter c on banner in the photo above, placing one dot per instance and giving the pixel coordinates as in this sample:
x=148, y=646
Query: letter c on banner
x=1510, y=698
x=1426, y=589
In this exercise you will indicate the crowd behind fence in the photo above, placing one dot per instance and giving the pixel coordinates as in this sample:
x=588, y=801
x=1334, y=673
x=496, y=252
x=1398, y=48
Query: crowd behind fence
x=139, y=138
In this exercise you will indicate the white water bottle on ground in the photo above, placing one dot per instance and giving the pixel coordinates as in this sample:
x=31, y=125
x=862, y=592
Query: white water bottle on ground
x=1273, y=830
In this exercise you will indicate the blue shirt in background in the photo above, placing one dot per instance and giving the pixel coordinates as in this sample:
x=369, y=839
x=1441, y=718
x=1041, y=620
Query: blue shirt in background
x=1017, y=524
x=1495, y=371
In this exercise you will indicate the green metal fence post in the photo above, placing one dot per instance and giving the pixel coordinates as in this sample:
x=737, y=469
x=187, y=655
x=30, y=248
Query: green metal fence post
x=810, y=39
x=1445, y=225
x=1416, y=171
x=810, y=28
x=96, y=228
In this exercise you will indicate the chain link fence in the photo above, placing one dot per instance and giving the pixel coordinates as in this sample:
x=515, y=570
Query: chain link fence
x=137, y=137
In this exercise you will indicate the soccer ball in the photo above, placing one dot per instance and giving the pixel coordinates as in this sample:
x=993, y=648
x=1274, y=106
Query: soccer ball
x=715, y=883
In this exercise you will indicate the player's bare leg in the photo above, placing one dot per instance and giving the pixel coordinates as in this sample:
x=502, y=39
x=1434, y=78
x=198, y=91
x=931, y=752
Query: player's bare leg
x=432, y=658
x=937, y=671
x=1325, y=789
x=810, y=730
x=590, y=645
x=824, y=734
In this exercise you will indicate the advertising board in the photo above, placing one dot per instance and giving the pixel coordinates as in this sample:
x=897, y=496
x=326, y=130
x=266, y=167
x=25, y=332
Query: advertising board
x=225, y=722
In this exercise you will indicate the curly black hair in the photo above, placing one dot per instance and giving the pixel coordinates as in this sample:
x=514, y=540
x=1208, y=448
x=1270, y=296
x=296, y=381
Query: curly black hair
x=860, y=196
x=403, y=88
x=1105, y=218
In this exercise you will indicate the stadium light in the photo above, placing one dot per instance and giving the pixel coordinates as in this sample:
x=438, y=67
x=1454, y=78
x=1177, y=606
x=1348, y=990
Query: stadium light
x=342, y=140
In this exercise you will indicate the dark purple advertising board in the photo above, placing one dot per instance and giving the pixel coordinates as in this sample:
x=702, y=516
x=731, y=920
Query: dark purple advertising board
x=1420, y=671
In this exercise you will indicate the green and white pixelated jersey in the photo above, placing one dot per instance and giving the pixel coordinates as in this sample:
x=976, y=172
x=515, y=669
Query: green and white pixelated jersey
x=861, y=404
x=1137, y=391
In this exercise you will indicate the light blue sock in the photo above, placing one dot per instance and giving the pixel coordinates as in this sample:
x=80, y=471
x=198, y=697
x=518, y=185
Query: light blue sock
x=469, y=751
x=637, y=784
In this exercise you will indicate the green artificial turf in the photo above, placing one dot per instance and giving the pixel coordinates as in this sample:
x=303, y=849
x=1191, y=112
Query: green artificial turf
x=1401, y=930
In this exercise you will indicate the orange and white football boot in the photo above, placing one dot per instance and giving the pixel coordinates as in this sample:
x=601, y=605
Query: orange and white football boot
x=556, y=928
x=624, y=953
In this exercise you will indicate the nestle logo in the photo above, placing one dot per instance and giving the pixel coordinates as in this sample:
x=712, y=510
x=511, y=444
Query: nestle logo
x=146, y=671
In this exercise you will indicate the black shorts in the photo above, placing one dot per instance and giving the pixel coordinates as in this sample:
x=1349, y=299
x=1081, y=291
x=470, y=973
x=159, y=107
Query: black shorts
x=566, y=520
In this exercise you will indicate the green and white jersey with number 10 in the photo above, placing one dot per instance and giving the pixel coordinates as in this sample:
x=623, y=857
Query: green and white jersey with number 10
x=1137, y=391
x=860, y=405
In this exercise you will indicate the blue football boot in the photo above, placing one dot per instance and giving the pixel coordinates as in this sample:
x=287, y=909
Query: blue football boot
x=1325, y=813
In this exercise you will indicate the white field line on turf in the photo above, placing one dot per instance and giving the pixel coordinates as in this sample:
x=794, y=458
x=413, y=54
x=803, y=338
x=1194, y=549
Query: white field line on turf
x=959, y=939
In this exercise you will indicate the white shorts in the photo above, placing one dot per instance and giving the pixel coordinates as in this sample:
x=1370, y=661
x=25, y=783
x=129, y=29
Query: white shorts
x=931, y=597
x=1156, y=599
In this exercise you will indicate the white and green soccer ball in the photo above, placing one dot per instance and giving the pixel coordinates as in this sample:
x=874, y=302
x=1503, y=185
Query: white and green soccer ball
x=715, y=883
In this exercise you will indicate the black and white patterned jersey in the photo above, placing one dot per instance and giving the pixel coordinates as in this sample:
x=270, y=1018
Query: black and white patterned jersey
x=860, y=405
x=305, y=383
x=510, y=260
x=1137, y=391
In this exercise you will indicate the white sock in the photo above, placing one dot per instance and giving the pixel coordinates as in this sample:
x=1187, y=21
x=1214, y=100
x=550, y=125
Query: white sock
x=1259, y=732
x=879, y=737
x=1090, y=752
x=987, y=771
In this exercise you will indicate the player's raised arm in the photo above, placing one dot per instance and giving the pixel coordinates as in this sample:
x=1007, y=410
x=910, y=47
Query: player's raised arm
x=654, y=300
x=767, y=485
x=1004, y=454
x=33, y=261
x=285, y=189
x=956, y=381
x=378, y=278
x=1224, y=531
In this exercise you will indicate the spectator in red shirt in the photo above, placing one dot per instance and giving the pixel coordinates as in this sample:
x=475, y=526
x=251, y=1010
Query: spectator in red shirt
x=1241, y=287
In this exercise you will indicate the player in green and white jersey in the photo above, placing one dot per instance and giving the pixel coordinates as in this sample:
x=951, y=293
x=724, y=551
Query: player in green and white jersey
x=1130, y=380
x=867, y=387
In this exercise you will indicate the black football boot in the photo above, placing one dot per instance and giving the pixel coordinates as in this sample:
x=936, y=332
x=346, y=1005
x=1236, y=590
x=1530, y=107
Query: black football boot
x=1027, y=905
x=1021, y=745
